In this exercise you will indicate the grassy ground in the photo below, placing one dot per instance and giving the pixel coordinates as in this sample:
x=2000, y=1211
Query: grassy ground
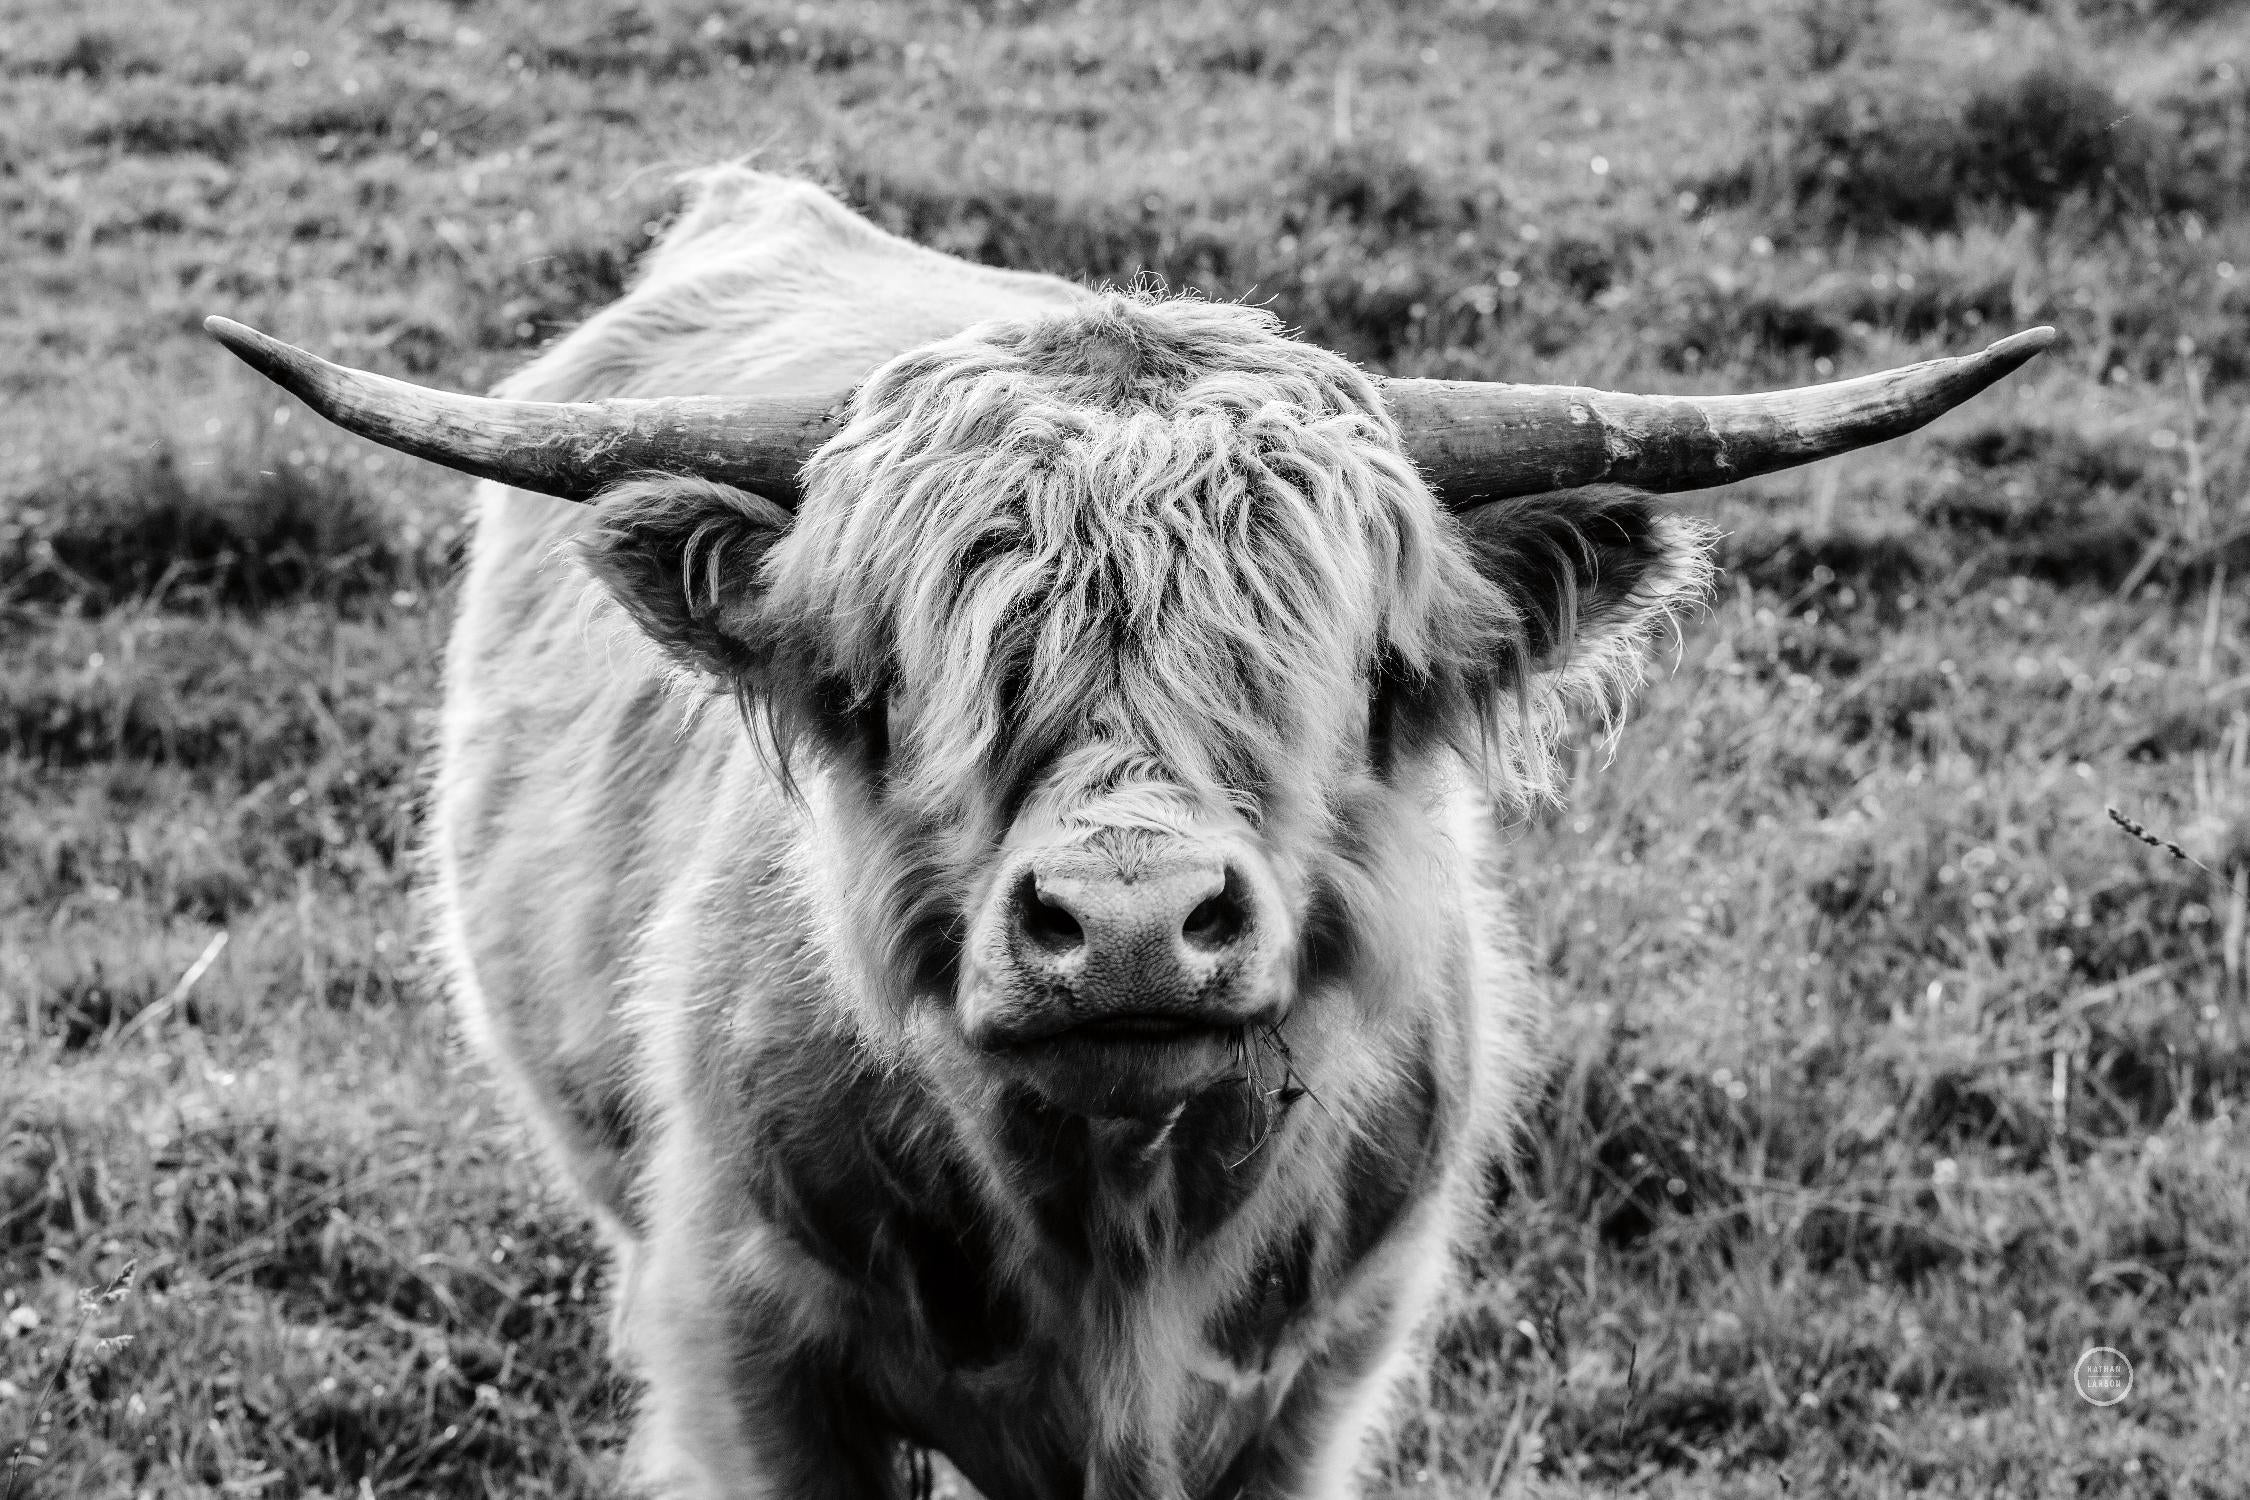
x=1892, y=1075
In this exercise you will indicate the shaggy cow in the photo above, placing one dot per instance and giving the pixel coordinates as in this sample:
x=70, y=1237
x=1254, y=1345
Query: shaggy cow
x=1063, y=1018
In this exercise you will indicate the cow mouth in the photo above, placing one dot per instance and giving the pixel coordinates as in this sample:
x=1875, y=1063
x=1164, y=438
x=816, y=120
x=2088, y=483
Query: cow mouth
x=1060, y=1022
x=1125, y=1065
x=1144, y=1029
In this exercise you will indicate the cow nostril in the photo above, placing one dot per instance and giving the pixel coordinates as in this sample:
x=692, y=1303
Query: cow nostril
x=1217, y=919
x=1045, y=924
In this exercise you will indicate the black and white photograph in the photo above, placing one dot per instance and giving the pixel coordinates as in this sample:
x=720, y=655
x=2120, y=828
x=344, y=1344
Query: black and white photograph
x=1124, y=749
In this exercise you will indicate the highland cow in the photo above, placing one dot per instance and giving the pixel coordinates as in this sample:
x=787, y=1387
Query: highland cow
x=976, y=845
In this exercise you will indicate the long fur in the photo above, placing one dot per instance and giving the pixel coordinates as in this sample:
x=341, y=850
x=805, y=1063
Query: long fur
x=1156, y=524
x=1129, y=567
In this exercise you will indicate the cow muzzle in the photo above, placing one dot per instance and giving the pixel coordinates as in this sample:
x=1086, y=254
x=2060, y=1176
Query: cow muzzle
x=1120, y=974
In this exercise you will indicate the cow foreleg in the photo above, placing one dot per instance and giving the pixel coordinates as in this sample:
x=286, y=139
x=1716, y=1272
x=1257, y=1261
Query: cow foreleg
x=741, y=1405
x=1316, y=1442
x=786, y=1435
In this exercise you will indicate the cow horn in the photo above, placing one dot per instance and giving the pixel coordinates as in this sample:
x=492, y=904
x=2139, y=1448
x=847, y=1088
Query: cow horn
x=1480, y=440
x=570, y=449
x=1474, y=440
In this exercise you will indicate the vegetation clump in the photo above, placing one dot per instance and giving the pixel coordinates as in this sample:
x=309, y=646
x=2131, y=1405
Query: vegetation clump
x=1872, y=153
x=113, y=533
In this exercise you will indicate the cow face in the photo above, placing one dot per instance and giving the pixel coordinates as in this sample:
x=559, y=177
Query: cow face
x=1138, y=667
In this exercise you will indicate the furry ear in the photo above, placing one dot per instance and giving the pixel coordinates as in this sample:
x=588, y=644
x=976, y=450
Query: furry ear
x=1591, y=571
x=684, y=557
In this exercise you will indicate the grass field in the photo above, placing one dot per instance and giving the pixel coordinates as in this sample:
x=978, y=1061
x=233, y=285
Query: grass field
x=1891, y=1075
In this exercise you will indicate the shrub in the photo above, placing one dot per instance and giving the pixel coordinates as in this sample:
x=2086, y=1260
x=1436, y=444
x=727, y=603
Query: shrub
x=92, y=53
x=2131, y=13
x=1367, y=183
x=2036, y=139
x=1866, y=154
x=2209, y=119
x=1836, y=30
x=125, y=526
x=683, y=42
x=167, y=121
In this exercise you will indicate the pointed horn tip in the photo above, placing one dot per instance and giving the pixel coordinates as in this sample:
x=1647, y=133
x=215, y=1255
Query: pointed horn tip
x=2019, y=347
x=262, y=352
x=236, y=336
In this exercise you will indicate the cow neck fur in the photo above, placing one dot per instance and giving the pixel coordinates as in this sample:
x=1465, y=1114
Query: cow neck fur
x=1068, y=1269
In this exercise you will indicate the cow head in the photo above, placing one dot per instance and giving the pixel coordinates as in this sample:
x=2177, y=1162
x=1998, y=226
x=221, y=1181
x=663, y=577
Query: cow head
x=1135, y=658
x=1129, y=661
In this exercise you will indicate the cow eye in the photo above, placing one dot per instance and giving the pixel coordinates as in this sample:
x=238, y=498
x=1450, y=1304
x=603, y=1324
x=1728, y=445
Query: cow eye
x=871, y=720
x=1382, y=721
x=854, y=722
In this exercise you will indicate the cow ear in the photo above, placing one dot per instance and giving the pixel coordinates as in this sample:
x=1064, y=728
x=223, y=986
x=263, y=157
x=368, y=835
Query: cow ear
x=1592, y=572
x=685, y=558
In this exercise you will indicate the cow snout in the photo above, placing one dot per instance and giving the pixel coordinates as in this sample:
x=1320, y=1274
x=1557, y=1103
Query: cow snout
x=1134, y=951
x=1173, y=944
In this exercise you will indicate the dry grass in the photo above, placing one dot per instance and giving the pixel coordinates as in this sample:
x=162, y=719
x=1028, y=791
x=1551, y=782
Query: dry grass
x=1893, y=1074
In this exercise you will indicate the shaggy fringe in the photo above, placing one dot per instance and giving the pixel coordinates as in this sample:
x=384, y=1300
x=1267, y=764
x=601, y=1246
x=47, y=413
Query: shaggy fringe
x=1159, y=535
x=1154, y=537
x=1157, y=528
